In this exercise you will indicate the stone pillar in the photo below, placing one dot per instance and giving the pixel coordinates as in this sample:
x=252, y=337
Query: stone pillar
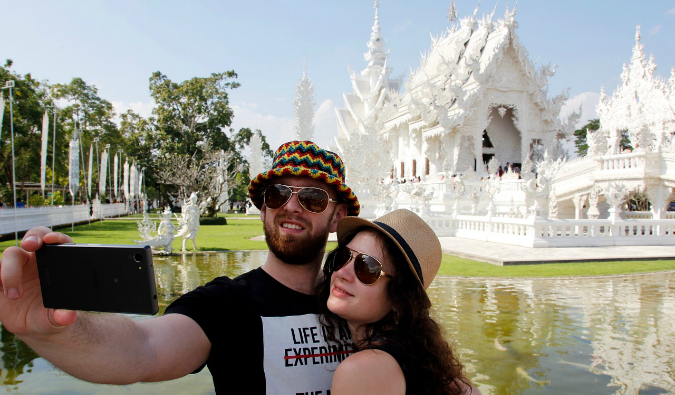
x=658, y=195
x=579, y=201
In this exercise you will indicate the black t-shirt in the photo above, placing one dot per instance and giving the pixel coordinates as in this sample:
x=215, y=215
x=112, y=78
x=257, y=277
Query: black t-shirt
x=265, y=337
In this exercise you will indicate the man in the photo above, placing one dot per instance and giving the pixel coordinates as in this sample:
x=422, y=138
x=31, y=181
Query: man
x=257, y=333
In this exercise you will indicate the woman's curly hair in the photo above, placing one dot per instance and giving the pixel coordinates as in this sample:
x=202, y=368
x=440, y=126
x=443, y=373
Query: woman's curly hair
x=408, y=326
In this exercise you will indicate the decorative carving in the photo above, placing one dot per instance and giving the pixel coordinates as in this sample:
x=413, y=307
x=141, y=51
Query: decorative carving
x=189, y=221
x=552, y=205
x=162, y=241
x=593, y=212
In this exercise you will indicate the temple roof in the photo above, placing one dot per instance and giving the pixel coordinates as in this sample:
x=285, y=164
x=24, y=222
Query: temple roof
x=458, y=67
x=642, y=104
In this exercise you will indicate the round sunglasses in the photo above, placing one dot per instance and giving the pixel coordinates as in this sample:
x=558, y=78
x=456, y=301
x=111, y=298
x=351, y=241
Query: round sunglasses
x=314, y=200
x=367, y=268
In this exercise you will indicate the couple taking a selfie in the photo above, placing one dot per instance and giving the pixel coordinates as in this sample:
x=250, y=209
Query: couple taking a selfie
x=356, y=322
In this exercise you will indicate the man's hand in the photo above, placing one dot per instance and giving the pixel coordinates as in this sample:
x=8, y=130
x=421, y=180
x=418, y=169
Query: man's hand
x=21, y=308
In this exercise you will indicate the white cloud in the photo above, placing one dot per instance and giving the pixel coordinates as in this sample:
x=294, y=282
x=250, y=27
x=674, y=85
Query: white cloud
x=325, y=126
x=140, y=108
x=653, y=31
x=277, y=130
x=588, y=101
x=671, y=11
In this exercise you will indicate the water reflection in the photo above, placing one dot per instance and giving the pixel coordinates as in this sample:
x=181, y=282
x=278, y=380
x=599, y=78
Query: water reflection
x=600, y=335
x=559, y=336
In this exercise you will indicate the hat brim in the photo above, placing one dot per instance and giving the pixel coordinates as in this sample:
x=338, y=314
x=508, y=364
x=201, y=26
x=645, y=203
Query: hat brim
x=259, y=183
x=350, y=225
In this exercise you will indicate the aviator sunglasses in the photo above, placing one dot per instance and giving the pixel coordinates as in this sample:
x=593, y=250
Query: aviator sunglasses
x=367, y=268
x=314, y=200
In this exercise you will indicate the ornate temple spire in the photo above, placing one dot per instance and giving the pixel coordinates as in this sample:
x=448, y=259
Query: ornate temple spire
x=452, y=12
x=375, y=54
x=304, y=106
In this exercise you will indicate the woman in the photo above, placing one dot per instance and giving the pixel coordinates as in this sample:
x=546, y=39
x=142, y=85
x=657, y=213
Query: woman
x=375, y=283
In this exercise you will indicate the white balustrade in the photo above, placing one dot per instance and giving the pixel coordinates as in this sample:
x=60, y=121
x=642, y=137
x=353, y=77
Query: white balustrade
x=27, y=218
x=557, y=233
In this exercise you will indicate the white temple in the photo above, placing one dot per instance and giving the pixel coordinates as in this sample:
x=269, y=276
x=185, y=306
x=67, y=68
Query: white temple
x=477, y=102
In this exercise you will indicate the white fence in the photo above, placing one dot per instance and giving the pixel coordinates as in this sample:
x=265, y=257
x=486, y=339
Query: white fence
x=27, y=218
x=540, y=232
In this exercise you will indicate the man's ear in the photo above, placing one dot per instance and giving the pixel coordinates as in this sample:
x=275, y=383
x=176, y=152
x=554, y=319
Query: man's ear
x=339, y=213
x=263, y=211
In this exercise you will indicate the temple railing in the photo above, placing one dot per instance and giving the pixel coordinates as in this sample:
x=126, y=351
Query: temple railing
x=539, y=232
x=27, y=218
x=623, y=162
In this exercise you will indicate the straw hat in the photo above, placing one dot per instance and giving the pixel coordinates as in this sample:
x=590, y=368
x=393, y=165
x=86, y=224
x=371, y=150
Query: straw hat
x=306, y=159
x=418, y=243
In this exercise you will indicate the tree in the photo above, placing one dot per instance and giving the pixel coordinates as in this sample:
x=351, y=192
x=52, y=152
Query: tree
x=211, y=174
x=580, y=134
x=29, y=100
x=94, y=116
x=241, y=140
x=194, y=111
x=138, y=143
x=593, y=125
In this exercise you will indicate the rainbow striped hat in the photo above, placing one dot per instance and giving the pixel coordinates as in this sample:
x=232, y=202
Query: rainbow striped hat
x=306, y=159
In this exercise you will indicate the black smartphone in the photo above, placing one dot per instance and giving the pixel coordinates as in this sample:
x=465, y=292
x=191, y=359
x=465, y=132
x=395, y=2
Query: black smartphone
x=98, y=277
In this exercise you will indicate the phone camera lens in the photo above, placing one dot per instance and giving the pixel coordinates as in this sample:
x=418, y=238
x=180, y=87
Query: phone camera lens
x=138, y=257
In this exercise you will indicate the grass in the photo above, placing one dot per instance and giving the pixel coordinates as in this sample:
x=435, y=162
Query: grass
x=233, y=236
x=461, y=267
x=240, y=229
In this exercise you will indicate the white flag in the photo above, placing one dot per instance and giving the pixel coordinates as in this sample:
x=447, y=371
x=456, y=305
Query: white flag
x=103, y=175
x=133, y=181
x=115, y=174
x=74, y=161
x=91, y=157
x=2, y=113
x=140, y=183
x=125, y=186
x=45, y=139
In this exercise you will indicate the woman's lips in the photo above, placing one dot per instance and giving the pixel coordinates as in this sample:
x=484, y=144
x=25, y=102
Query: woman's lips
x=338, y=291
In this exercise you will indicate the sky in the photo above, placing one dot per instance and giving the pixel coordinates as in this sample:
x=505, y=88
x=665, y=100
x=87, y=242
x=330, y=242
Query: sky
x=117, y=44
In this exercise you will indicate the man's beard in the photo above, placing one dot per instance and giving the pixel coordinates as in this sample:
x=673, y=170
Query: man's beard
x=293, y=249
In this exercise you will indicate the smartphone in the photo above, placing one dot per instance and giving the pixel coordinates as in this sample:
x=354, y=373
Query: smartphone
x=98, y=277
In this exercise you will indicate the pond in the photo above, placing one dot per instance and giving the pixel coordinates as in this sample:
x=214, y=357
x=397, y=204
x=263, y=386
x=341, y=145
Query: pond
x=610, y=335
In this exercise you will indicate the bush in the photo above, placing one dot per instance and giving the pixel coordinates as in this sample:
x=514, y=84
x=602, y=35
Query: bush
x=212, y=221
x=58, y=198
x=36, y=200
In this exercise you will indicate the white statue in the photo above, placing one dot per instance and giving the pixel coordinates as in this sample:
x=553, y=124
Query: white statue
x=165, y=233
x=189, y=221
x=146, y=227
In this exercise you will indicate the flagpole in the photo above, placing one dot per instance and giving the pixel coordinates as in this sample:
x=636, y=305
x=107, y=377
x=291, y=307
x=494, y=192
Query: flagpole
x=9, y=85
x=53, y=156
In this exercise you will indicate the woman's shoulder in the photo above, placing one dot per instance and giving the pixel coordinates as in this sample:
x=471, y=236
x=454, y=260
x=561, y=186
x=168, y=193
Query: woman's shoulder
x=368, y=372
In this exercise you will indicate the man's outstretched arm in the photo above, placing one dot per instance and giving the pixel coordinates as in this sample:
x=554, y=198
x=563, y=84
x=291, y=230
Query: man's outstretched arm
x=101, y=348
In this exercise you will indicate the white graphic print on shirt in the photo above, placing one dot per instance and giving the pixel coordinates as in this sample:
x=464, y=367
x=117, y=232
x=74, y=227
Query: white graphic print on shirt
x=297, y=359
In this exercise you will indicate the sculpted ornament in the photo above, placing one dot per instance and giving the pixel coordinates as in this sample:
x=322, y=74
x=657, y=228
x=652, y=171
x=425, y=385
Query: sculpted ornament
x=593, y=212
x=552, y=205
x=145, y=227
x=189, y=221
x=165, y=235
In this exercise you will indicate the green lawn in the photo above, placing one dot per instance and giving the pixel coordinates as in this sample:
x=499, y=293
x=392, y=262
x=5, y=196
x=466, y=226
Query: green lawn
x=237, y=233
x=460, y=267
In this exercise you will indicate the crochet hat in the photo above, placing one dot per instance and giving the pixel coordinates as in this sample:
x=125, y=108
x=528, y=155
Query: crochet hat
x=306, y=159
x=418, y=243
